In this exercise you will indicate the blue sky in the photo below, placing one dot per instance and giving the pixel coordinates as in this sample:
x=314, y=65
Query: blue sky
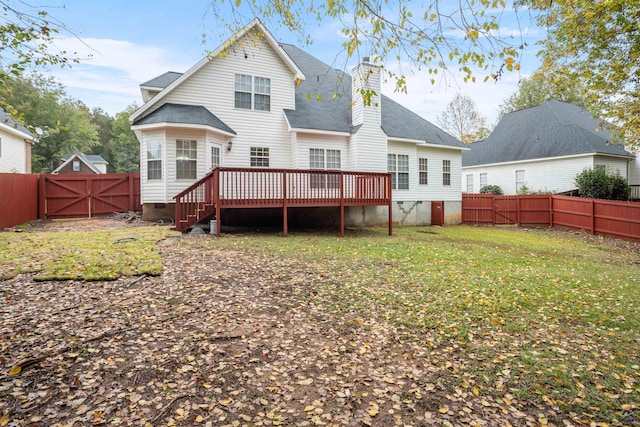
x=133, y=41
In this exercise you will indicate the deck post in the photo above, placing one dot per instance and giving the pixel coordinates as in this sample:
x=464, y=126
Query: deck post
x=177, y=214
x=390, y=204
x=341, y=204
x=285, y=227
x=216, y=197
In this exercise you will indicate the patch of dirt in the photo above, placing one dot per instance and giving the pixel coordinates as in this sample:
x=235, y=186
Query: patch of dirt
x=87, y=224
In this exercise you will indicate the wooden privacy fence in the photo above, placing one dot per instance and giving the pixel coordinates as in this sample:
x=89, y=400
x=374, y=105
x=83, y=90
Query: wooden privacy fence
x=18, y=199
x=596, y=216
x=25, y=198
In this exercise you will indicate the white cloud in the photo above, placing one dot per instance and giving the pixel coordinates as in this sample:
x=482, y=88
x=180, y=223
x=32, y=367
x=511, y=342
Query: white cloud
x=112, y=69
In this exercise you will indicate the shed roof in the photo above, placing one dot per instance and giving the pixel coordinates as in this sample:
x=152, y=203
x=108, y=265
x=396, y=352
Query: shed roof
x=189, y=114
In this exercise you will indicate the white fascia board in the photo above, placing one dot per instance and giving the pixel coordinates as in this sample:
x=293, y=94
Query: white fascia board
x=409, y=140
x=319, y=132
x=544, y=159
x=16, y=132
x=445, y=147
x=228, y=43
x=181, y=125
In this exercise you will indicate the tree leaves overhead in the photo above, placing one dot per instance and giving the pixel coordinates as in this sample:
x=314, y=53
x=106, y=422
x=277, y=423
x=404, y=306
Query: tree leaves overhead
x=597, y=43
x=436, y=36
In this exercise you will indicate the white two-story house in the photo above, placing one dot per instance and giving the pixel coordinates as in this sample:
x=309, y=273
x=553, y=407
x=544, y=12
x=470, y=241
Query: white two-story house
x=257, y=103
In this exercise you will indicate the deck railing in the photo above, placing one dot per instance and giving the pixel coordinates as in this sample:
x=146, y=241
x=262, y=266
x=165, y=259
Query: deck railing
x=268, y=188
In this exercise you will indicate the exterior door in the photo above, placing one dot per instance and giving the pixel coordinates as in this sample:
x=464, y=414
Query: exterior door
x=437, y=213
x=214, y=155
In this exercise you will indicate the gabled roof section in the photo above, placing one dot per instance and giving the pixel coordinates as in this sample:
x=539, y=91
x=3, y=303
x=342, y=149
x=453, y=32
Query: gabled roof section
x=184, y=114
x=552, y=129
x=334, y=114
x=11, y=125
x=88, y=159
x=253, y=25
x=162, y=80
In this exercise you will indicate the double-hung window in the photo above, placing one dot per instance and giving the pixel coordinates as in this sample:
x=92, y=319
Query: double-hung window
x=75, y=166
x=398, y=165
x=154, y=159
x=483, y=179
x=186, y=158
x=319, y=158
x=446, y=172
x=252, y=93
x=423, y=176
x=470, y=183
x=259, y=157
x=519, y=179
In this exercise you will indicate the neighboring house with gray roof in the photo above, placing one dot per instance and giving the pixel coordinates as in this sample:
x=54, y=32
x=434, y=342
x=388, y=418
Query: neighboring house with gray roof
x=15, y=145
x=80, y=163
x=543, y=148
x=254, y=102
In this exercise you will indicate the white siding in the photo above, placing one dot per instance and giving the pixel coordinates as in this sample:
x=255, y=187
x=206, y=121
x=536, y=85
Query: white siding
x=370, y=148
x=549, y=175
x=13, y=157
x=634, y=172
x=435, y=190
x=213, y=87
x=613, y=165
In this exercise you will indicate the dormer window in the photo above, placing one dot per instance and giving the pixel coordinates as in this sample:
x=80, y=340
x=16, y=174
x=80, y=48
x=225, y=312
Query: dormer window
x=252, y=93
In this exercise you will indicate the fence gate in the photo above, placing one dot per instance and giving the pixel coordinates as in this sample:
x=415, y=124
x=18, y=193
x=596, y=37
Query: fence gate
x=505, y=210
x=76, y=196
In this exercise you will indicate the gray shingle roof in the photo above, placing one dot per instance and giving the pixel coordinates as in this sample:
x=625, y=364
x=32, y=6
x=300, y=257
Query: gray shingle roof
x=7, y=120
x=87, y=158
x=552, y=129
x=180, y=113
x=335, y=114
x=162, y=80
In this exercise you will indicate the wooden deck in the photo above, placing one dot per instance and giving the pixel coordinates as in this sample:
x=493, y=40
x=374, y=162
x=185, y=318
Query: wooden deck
x=232, y=188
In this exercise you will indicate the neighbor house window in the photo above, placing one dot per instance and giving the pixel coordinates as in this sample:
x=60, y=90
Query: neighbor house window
x=398, y=165
x=446, y=172
x=602, y=168
x=319, y=158
x=519, y=179
x=483, y=179
x=154, y=159
x=252, y=92
x=75, y=165
x=259, y=157
x=470, y=183
x=423, y=177
x=186, y=158
x=215, y=156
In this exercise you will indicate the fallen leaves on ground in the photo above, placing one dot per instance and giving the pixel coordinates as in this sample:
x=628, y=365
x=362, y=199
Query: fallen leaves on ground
x=231, y=337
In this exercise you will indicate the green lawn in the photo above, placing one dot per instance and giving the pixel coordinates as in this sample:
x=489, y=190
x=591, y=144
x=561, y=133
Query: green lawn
x=517, y=313
x=95, y=255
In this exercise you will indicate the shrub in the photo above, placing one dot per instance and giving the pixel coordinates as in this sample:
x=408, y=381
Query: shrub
x=596, y=184
x=491, y=189
x=620, y=189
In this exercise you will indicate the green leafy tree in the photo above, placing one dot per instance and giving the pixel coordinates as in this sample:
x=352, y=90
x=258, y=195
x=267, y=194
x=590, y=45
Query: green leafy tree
x=126, y=149
x=65, y=122
x=462, y=119
x=596, y=43
x=26, y=35
x=541, y=87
